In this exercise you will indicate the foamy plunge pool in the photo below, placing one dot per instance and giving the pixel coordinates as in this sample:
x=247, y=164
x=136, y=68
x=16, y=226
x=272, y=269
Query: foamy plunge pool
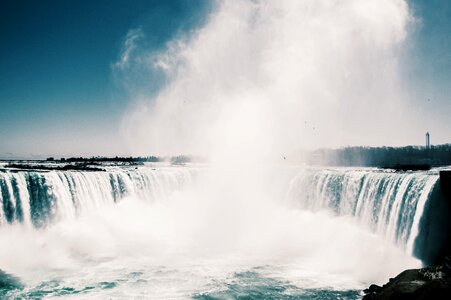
x=205, y=234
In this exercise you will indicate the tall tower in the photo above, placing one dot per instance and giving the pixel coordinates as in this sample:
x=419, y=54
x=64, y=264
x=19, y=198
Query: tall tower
x=428, y=141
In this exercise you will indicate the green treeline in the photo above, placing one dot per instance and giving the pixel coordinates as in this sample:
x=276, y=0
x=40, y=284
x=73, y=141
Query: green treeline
x=434, y=156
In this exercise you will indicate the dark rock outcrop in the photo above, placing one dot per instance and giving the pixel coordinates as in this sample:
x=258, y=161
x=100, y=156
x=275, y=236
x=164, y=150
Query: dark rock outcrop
x=445, y=182
x=426, y=283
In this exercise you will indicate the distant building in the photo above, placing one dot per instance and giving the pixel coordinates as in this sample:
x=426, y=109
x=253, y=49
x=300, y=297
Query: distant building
x=428, y=141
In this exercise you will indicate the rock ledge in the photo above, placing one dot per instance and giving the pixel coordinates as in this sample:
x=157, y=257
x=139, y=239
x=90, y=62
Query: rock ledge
x=426, y=283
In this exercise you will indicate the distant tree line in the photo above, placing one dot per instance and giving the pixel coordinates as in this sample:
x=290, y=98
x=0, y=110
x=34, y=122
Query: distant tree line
x=438, y=155
x=180, y=159
x=129, y=159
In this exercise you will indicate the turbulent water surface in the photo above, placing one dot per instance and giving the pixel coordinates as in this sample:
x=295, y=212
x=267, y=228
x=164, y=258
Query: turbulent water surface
x=206, y=233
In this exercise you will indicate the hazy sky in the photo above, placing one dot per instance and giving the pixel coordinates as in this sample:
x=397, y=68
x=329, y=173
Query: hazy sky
x=64, y=91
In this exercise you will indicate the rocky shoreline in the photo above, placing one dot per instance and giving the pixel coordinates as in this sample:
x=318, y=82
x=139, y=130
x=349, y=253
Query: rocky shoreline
x=426, y=283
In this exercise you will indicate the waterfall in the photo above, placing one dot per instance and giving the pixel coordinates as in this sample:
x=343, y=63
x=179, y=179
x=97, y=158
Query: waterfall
x=38, y=198
x=389, y=203
x=308, y=227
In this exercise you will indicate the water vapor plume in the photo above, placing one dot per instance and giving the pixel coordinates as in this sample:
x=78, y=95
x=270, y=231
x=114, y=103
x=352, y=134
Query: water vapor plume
x=260, y=78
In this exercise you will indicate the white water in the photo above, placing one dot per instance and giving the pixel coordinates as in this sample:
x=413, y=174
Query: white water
x=68, y=194
x=387, y=203
x=176, y=232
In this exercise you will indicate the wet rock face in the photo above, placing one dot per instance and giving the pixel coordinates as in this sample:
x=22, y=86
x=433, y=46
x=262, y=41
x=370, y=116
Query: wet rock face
x=427, y=283
x=374, y=288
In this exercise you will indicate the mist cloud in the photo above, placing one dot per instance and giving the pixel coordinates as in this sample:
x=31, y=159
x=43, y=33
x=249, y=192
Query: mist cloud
x=267, y=77
x=130, y=44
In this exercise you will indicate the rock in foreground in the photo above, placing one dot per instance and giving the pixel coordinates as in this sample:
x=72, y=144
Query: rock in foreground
x=427, y=283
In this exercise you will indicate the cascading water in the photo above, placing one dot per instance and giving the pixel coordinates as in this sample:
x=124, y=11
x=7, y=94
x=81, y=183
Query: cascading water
x=39, y=198
x=204, y=232
x=388, y=203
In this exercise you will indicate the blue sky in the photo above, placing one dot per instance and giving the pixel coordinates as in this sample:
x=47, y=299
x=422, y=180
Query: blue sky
x=57, y=91
x=428, y=65
x=59, y=94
